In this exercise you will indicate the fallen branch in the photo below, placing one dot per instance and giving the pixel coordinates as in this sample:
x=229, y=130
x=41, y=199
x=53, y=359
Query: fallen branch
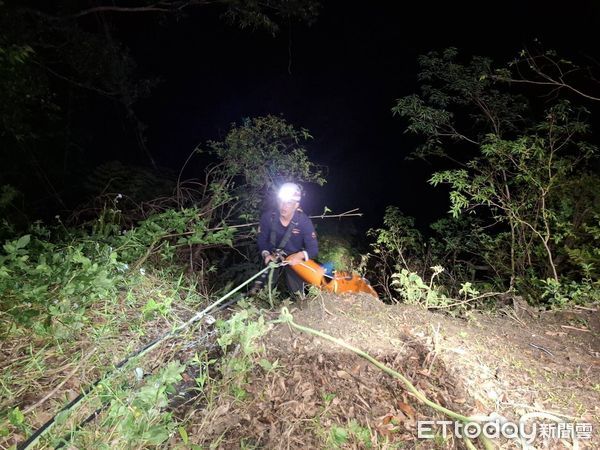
x=157, y=7
x=585, y=308
x=575, y=328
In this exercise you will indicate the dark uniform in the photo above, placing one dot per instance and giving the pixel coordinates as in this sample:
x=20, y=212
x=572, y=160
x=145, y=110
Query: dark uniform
x=298, y=236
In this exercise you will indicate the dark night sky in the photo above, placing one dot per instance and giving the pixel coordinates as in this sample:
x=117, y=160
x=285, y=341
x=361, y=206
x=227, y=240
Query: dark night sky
x=347, y=70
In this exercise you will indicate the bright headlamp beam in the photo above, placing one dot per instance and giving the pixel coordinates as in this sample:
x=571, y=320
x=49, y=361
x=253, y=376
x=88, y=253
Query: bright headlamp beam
x=287, y=194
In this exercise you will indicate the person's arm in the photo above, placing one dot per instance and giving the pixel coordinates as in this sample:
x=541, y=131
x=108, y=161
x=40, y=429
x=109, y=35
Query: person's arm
x=311, y=245
x=264, y=232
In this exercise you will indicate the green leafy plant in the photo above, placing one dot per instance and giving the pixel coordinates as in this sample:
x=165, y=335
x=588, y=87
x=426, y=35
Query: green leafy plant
x=38, y=277
x=202, y=363
x=517, y=169
x=241, y=329
x=561, y=294
x=153, y=306
x=515, y=179
x=165, y=232
x=339, y=436
x=338, y=251
x=17, y=419
x=241, y=332
x=258, y=155
x=413, y=290
x=395, y=247
x=398, y=237
x=142, y=419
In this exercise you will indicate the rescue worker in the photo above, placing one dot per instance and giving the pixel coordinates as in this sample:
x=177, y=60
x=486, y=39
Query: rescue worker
x=287, y=232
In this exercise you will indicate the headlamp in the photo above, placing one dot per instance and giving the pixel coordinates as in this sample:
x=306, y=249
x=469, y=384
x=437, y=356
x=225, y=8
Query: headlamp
x=289, y=192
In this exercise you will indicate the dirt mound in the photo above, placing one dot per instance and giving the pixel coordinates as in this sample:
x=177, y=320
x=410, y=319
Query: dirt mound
x=319, y=395
x=324, y=397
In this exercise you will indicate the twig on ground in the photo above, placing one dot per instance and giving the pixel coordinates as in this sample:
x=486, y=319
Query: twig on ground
x=541, y=348
x=585, y=309
x=511, y=314
x=575, y=328
x=323, y=305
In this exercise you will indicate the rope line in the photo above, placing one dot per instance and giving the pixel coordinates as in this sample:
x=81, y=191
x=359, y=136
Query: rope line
x=35, y=437
x=286, y=317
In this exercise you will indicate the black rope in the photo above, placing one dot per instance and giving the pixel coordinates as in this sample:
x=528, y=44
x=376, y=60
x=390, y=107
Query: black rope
x=24, y=445
x=85, y=392
x=66, y=439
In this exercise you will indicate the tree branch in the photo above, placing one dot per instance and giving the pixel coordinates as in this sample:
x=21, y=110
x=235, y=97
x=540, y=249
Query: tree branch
x=158, y=7
x=133, y=9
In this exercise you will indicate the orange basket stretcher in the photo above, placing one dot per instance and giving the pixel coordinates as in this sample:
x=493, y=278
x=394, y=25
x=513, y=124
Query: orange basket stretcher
x=339, y=283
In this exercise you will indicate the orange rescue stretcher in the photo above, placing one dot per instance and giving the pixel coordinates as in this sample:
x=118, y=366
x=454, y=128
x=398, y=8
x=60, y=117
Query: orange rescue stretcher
x=340, y=282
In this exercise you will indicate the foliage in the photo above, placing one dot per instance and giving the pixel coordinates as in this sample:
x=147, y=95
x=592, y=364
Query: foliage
x=141, y=418
x=515, y=169
x=94, y=349
x=411, y=288
x=400, y=260
x=10, y=211
x=340, y=436
x=338, y=251
x=260, y=154
x=265, y=15
x=514, y=179
x=170, y=230
x=52, y=75
x=56, y=281
x=463, y=246
x=565, y=293
x=547, y=70
x=241, y=331
x=453, y=93
x=395, y=247
x=17, y=419
x=8, y=194
x=398, y=237
x=59, y=73
x=22, y=92
x=577, y=206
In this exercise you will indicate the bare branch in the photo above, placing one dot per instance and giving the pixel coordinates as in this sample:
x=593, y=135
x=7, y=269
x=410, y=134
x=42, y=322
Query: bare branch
x=554, y=83
x=350, y=213
x=134, y=9
x=158, y=7
x=557, y=81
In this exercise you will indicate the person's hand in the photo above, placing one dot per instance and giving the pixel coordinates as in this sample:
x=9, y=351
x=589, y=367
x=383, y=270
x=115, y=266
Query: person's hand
x=269, y=258
x=295, y=258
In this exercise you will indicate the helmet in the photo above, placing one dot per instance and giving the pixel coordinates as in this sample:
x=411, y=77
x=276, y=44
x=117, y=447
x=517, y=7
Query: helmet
x=289, y=192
